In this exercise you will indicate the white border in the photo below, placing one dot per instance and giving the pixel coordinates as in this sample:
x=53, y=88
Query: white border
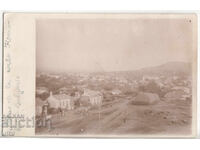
x=1, y=71
x=198, y=79
x=28, y=24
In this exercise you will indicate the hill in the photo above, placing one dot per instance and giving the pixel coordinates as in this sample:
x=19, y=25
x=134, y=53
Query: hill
x=167, y=69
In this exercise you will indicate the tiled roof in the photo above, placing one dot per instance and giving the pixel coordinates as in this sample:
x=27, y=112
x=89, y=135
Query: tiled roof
x=62, y=96
x=93, y=93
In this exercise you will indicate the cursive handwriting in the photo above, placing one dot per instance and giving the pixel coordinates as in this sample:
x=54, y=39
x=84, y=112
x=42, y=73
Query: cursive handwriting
x=8, y=63
x=18, y=92
x=7, y=40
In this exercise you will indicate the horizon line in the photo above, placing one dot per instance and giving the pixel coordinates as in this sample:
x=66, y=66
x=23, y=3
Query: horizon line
x=89, y=71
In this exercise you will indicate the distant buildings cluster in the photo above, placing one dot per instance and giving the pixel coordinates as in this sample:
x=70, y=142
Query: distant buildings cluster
x=171, y=87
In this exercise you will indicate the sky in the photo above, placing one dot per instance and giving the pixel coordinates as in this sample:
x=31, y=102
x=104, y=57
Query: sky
x=111, y=44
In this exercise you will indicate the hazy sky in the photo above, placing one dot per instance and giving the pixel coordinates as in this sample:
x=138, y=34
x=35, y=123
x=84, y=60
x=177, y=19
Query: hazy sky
x=111, y=44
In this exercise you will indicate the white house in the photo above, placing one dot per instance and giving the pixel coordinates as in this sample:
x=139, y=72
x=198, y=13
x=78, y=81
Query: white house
x=65, y=101
x=62, y=101
x=53, y=102
x=95, y=97
x=116, y=92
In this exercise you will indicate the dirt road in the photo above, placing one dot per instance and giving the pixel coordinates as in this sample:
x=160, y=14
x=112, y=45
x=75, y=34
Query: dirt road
x=122, y=118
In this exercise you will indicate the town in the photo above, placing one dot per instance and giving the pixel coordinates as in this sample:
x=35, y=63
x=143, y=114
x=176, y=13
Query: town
x=87, y=102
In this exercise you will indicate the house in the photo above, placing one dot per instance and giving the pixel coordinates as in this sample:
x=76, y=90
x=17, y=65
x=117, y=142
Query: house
x=53, y=102
x=41, y=90
x=116, y=92
x=63, y=90
x=62, y=101
x=95, y=97
x=54, y=76
x=65, y=101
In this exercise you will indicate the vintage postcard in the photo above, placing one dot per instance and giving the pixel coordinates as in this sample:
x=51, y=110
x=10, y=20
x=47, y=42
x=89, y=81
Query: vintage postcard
x=99, y=75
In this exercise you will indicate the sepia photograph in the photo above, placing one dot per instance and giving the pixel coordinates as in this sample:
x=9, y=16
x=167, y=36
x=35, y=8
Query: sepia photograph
x=100, y=74
x=115, y=76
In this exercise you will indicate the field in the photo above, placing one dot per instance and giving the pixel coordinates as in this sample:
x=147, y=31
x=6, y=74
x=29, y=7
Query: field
x=121, y=117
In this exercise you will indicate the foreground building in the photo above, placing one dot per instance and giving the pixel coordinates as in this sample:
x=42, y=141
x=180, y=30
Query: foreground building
x=95, y=97
x=62, y=101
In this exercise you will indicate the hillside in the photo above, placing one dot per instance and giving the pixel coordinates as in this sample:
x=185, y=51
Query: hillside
x=170, y=68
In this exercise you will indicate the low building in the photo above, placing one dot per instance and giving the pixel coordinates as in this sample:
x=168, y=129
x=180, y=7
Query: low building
x=53, y=102
x=63, y=90
x=41, y=90
x=65, y=101
x=62, y=101
x=116, y=92
x=95, y=97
